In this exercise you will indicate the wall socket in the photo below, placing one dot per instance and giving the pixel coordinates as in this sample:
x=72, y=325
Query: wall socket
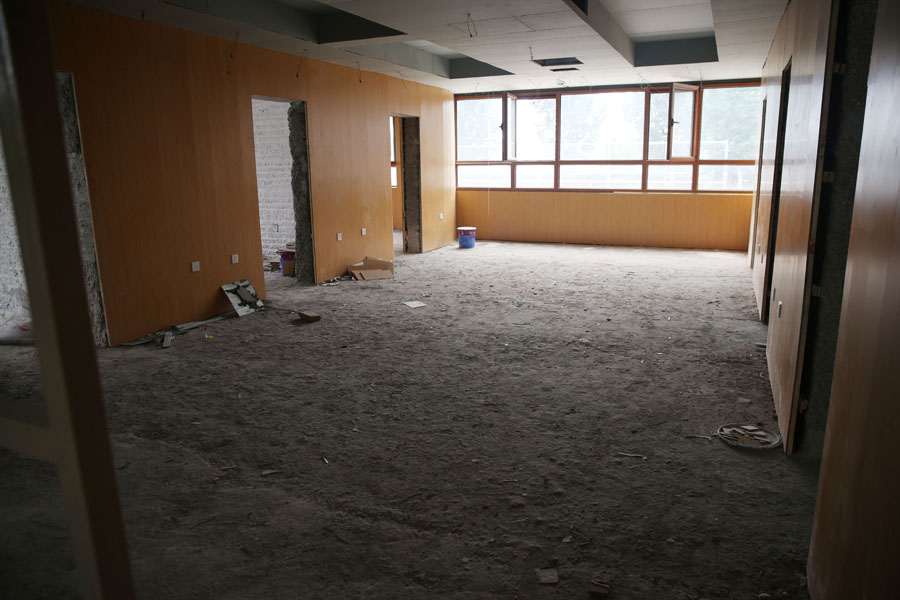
x=442, y=216
x=234, y=259
x=364, y=231
x=340, y=236
x=195, y=266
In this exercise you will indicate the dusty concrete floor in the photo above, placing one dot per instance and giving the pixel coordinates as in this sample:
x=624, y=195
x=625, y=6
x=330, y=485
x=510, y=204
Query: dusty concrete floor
x=468, y=442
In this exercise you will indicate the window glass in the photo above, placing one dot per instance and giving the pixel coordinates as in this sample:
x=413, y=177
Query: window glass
x=484, y=176
x=393, y=155
x=535, y=129
x=683, y=123
x=604, y=177
x=659, y=126
x=738, y=178
x=603, y=126
x=670, y=177
x=478, y=133
x=729, y=129
x=534, y=176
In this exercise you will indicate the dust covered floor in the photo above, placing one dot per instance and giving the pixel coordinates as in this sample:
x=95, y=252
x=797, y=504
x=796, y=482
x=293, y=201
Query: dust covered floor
x=450, y=450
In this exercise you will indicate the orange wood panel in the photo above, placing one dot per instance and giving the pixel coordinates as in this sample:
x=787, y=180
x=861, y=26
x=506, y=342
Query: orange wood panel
x=802, y=39
x=676, y=220
x=168, y=144
x=856, y=529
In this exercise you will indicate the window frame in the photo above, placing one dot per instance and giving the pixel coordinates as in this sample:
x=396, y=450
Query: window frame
x=694, y=161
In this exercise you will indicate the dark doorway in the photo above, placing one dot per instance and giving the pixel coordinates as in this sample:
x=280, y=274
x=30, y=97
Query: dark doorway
x=776, y=192
x=412, y=185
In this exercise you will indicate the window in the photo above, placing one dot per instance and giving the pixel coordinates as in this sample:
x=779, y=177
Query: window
x=484, y=176
x=479, y=129
x=534, y=176
x=393, y=154
x=604, y=126
x=535, y=129
x=731, y=120
x=657, y=137
x=600, y=177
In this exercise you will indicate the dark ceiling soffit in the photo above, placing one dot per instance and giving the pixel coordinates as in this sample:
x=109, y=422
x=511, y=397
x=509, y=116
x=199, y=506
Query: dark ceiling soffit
x=556, y=62
x=676, y=52
x=346, y=27
x=462, y=68
x=333, y=26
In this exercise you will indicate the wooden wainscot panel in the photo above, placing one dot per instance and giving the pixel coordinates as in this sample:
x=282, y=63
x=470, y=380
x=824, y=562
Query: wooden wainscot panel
x=856, y=530
x=674, y=220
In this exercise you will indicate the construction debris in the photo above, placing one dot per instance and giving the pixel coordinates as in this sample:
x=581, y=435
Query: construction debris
x=548, y=576
x=372, y=268
x=243, y=297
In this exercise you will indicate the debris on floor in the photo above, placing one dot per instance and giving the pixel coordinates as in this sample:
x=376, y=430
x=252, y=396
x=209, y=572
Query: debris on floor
x=599, y=588
x=243, y=297
x=414, y=304
x=548, y=576
x=372, y=268
x=748, y=436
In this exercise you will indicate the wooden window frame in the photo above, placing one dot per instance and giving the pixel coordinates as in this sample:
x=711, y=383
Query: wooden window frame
x=694, y=161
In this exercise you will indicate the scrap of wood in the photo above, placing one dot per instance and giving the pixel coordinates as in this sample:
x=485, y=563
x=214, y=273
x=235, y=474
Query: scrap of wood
x=167, y=339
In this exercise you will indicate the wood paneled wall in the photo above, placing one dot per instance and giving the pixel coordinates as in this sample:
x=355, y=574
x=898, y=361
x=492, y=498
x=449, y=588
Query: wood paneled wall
x=168, y=143
x=675, y=220
x=856, y=530
x=802, y=39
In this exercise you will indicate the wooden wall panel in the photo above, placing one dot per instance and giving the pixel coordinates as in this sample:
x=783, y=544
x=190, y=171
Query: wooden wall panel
x=802, y=39
x=856, y=530
x=168, y=144
x=674, y=220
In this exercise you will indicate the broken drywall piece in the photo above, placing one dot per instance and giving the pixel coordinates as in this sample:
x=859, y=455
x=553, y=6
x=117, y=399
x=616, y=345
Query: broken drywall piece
x=243, y=297
x=372, y=268
x=414, y=304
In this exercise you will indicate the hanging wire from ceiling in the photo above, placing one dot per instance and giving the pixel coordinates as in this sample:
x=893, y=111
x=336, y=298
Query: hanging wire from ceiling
x=300, y=64
x=358, y=72
x=230, y=53
x=402, y=79
x=470, y=25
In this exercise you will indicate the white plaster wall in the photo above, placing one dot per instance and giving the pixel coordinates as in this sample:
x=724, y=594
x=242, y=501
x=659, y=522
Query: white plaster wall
x=273, y=175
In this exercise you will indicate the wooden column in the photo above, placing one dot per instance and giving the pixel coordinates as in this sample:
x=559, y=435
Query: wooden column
x=73, y=432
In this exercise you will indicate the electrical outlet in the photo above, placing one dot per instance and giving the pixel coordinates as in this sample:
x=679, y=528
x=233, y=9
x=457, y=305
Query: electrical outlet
x=276, y=227
x=234, y=259
x=195, y=266
x=364, y=231
x=340, y=236
x=442, y=216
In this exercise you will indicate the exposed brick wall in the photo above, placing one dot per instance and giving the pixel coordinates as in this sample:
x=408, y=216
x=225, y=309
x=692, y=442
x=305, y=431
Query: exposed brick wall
x=273, y=174
x=12, y=274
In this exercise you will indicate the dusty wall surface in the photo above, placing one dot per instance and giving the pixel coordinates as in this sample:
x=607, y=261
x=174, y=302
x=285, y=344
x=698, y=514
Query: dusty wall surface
x=304, y=264
x=12, y=275
x=179, y=185
x=273, y=174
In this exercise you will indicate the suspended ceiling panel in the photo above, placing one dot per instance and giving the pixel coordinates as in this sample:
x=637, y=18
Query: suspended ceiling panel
x=502, y=34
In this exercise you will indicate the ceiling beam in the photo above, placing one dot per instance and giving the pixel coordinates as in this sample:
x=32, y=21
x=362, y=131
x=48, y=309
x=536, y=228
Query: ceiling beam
x=600, y=20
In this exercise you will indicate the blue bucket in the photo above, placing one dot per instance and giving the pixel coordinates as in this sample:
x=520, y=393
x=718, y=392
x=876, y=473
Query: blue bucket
x=466, y=237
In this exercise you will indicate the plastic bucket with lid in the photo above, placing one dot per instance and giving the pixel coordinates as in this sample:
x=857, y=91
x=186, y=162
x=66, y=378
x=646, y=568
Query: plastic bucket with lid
x=466, y=237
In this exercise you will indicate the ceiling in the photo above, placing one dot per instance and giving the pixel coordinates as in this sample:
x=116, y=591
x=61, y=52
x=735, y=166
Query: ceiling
x=470, y=46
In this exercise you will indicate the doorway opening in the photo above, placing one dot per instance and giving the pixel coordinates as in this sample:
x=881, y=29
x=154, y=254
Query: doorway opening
x=411, y=176
x=769, y=257
x=396, y=183
x=282, y=178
